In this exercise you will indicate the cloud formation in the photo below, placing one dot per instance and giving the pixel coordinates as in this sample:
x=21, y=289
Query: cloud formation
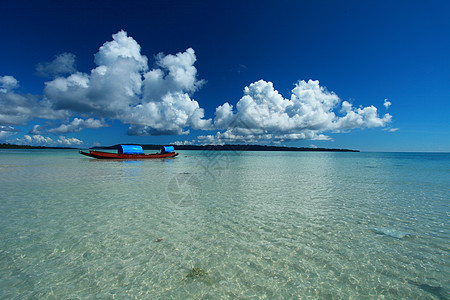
x=121, y=87
x=7, y=83
x=6, y=131
x=19, y=109
x=77, y=125
x=264, y=114
x=62, y=64
x=158, y=100
x=37, y=139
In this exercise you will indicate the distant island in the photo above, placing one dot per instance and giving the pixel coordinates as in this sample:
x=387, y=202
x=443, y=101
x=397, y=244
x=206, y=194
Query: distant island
x=233, y=147
x=227, y=147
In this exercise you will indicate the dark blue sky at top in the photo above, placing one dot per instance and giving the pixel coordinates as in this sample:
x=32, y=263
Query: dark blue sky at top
x=364, y=51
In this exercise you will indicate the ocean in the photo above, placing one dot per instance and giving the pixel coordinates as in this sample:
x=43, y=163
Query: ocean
x=215, y=225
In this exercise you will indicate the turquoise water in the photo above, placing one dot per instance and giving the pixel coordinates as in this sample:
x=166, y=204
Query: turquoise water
x=269, y=225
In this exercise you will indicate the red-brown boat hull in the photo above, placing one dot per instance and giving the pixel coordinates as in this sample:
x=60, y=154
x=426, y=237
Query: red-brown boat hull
x=109, y=155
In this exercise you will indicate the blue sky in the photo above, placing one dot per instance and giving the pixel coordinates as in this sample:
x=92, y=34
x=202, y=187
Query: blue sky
x=368, y=75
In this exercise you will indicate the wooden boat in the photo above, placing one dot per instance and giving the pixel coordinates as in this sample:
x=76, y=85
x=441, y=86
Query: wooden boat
x=131, y=152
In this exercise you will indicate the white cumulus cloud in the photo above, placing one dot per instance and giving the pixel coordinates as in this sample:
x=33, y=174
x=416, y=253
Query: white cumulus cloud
x=69, y=141
x=264, y=114
x=7, y=83
x=156, y=98
x=35, y=140
x=7, y=131
x=19, y=109
x=62, y=64
x=151, y=102
x=40, y=140
x=77, y=125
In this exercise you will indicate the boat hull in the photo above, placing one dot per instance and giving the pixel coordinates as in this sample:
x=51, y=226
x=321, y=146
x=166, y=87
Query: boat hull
x=108, y=155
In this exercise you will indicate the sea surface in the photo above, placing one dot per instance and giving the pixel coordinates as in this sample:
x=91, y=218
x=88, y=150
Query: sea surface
x=214, y=225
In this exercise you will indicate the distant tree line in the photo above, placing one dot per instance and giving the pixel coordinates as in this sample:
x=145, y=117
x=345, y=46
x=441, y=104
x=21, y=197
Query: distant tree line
x=13, y=146
x=232, y=147
x=227, y=147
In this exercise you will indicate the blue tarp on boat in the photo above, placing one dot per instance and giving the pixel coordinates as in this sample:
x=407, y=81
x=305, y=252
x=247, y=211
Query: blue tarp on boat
x=130, y=149
x=167, y=149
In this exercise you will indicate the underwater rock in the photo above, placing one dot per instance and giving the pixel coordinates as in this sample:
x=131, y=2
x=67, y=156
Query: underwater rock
x=196, y=272
x=438, y=291
x=390, y=232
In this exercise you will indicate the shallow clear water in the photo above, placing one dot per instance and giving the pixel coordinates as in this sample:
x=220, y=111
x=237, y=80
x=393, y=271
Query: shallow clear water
x=254, y=224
